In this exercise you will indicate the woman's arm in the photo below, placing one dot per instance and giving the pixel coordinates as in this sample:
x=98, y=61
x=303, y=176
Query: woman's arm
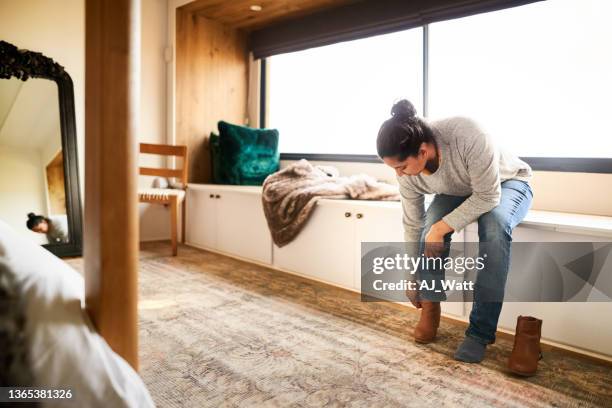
x=413, y=211
x=482, y=164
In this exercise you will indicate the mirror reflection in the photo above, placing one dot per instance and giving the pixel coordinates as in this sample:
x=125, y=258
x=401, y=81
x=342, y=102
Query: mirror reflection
x=32, y=186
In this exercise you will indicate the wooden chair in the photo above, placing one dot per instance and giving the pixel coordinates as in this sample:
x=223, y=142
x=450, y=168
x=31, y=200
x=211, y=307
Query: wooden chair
x=167, y=196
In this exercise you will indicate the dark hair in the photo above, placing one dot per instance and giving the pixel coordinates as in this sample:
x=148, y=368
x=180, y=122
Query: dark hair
x=34, y=220
x=401, y=135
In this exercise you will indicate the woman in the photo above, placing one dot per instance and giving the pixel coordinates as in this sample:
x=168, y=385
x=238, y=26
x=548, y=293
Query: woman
x=54, y=228
x=472, y=180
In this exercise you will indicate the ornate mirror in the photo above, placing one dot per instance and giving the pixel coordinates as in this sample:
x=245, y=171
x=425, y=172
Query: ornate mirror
x=39, y=178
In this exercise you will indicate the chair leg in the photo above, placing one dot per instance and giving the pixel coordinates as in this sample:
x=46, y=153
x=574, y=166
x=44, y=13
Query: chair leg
x=173, y=224
x=183, y=222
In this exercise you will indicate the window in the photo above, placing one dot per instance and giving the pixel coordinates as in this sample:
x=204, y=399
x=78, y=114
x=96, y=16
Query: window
x=333, y=99
x=538, y=77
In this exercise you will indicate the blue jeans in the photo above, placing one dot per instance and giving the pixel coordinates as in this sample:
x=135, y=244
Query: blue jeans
x=495, y=228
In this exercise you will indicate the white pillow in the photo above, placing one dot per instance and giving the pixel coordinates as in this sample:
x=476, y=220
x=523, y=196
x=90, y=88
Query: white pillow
x=65, y=350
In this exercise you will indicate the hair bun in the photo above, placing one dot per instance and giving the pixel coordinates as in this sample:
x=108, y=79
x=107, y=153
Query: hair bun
x=31, y=215
x=403, y=110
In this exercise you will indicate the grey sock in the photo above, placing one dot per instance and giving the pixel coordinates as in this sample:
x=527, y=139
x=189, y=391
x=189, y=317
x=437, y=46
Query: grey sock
x=470, y=351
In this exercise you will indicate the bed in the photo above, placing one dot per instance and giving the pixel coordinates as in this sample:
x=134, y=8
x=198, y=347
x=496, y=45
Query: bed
x=43, y=319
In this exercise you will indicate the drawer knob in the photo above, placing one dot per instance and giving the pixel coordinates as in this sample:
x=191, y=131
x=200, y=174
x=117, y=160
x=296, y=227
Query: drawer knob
x=347, y=214
x=217, y=196
x=359, y=215
x=212, y=196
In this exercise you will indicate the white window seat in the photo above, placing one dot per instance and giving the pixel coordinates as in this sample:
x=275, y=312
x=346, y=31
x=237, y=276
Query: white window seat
x=586, y=224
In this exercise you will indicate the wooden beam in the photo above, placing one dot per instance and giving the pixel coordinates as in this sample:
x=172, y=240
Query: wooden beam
x=112, y=64
x=167, y=150
x=152, y=171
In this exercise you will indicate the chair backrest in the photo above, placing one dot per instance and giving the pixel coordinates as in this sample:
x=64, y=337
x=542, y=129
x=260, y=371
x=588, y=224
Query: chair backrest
x=165, y=150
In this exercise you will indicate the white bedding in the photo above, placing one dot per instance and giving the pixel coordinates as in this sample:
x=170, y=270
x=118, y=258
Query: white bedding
x=65, y=351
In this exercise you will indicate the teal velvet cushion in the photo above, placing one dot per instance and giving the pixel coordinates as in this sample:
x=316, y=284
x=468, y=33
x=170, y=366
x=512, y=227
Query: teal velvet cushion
x=246, y=156
x=213, y=142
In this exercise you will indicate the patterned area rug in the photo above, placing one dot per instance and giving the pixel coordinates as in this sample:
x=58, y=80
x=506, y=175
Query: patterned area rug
x=215, y=331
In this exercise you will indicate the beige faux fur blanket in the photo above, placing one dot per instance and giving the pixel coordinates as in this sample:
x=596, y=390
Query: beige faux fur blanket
x=289, y=195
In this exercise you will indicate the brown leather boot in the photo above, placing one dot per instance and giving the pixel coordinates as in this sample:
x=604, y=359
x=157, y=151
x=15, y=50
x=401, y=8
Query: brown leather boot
x=526, y=351
x=425, y=331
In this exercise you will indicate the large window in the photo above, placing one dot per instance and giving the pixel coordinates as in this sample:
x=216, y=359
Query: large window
x=333, y=99
x=537, y=77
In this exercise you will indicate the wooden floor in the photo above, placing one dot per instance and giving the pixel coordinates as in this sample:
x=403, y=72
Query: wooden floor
x=217, y=331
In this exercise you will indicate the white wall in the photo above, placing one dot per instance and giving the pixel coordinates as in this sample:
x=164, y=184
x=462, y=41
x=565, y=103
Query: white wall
x=154, y=219
x=22, y=189
x=57, y=29
x=51, y=148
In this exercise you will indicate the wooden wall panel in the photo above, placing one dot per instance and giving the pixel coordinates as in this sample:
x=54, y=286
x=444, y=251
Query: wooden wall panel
x=56, y=185
x=211, y=84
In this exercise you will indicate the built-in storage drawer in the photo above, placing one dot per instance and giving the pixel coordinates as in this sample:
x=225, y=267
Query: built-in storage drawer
x=329, y=247
x=228, y=220
x=324, y=249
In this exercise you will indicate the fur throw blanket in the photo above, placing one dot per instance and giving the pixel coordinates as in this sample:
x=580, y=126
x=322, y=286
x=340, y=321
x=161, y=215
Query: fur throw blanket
x=289, y=195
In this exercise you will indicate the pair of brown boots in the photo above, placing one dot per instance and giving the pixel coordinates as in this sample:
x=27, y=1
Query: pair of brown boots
x=526, y=351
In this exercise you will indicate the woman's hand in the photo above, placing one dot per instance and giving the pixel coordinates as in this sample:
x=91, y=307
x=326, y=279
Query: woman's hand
x=434, y=244
x=413, y=296
x=434, y=240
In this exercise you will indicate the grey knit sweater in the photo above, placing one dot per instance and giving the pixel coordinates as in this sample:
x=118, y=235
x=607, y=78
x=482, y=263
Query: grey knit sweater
x=471, y=165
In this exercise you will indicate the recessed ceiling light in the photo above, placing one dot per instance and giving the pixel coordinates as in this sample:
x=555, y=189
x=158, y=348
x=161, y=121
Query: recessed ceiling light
x=256, y=7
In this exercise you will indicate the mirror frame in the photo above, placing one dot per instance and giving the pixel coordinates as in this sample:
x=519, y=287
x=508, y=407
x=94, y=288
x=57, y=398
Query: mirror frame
x=25, y=64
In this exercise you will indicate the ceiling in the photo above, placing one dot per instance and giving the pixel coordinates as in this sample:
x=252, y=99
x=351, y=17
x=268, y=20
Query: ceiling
x=29, y=114
x=237, y=13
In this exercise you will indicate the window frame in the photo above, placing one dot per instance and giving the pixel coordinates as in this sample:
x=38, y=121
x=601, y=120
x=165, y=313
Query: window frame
x=556, y=164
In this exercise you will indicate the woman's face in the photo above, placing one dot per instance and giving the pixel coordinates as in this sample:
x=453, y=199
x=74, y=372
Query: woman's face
x=42, y=227
x=411, y=165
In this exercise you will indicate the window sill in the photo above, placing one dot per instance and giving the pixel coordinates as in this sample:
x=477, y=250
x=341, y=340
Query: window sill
x=569, y=222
